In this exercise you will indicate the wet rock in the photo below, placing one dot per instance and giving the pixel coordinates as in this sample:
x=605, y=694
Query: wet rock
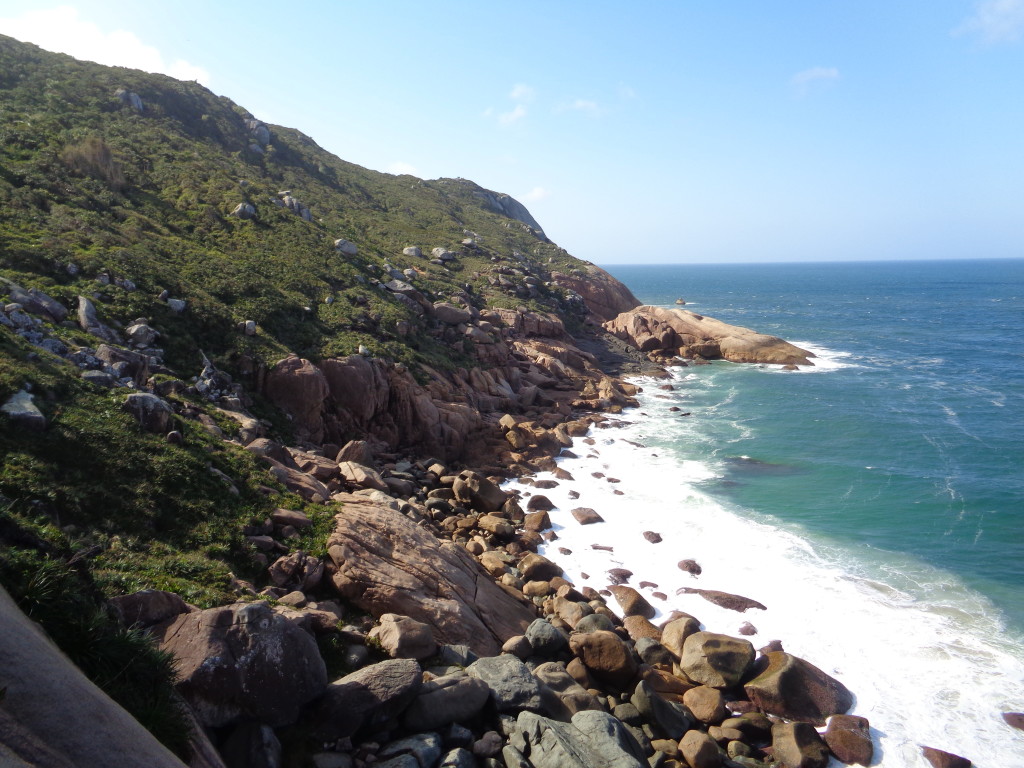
x=632, y=602
x=940, y=759
x=1014, y=720
x=651, y=536
x=539, y=502
x=538, y=568
x=723, y=599
x=796, y=689
x=586, y=516
x=849, y=738
x=692, y=567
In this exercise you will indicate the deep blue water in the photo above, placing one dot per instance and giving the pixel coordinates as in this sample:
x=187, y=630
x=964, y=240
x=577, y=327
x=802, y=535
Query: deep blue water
x=911, y=443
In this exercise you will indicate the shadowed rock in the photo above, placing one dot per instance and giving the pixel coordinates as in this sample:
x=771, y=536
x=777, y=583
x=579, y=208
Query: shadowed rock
x=796, y=689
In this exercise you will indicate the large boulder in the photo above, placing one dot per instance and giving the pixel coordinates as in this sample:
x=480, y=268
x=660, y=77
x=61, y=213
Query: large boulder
x=475, y=490
x=52, y=716
x=632, y=602
x=606, y=656
x=798, y=745
x=797, y=690
x=679, y=331
x=243, y=661
x=454, y=698
x=404, y=638
x=592, y=740
x=22, y=412
x=940, y=759
x=512, y=686
x=718, y=661
x=849, y=738
x=372, y=696
x=299, y=388
x=700, y=750
x=152, y=413
x=562, y=696
x=385, y=563
x=670, y=719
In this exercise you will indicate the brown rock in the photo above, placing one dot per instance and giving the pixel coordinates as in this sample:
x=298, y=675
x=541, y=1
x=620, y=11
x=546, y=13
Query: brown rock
x=798, y=745
x=604, y=296
x=298, y=570
x=307, y=486
x=148, y=607
x=690, y=566
x=619, y=575
x=849, y=738
x=639, y=626
x=357, y=451
x=387, y=564
x=299, y=388
x=290, y=517
x=371, y=696
x=537, y=521
x=651, y=536
x=1014, y=719
x=563, y=697
x=538, y=568
x=475, y=490
x=718, y=661
x=941, y=759
x=243, y=660
x=699, y=750
x=675, y=632
x=539, y=503
x=632, y=602
x=606, y=656
x=796, y=689
x=707, y=704
x=586, y=516
x=404, y=638
x=361, y=476
x=723, y=599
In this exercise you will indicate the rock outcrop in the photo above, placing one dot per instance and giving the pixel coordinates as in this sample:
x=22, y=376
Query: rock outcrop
x=385, y=563
x=605, y=297
x=671, y=332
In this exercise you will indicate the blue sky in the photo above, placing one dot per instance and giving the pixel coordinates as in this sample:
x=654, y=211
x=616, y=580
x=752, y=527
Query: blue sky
x=687, y=131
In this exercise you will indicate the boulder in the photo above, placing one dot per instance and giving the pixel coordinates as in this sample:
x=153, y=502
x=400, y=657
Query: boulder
x=849, y=738
x=538, y=568
x=307, y=486
x=539, y=503
x=125, y=362
x=699, y=750
x=606, y=656
x=413, y=252
x=562, y=696
x=723, y=599
x=90, y=323
x=586, y=516
x=299, y=388
x=512, y=686
x=639, y=628
x=297, y=570
x=707, y=704
x=598, y=741
x=797, y=690
x=940, y=759
x=632, y=602
x=474, y=490
x=385, y=563
x=670, y=719
x=346, y=247
x=450, y=314
x=244, y=211
x=798, y=745
x=404, y=638
x=361, y=476
x=455, y=698
x=372, y=696
x=1014, y=720
x=546, y=640
x=718, y=661
x=152, y=413
x=52, y=716
x=536, y=521
x=675, y=632
x=243, y=661
x=23, y=413
x=424, y=747
x=604, y=296
x=692, y=567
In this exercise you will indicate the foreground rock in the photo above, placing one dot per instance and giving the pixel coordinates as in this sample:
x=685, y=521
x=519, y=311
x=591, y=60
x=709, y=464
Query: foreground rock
x=592, y=740
x=797, y=690
x=385, y=563
x=672, y=332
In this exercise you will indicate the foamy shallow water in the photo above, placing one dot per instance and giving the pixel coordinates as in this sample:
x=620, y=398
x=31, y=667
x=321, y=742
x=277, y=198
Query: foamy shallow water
x=929, y=660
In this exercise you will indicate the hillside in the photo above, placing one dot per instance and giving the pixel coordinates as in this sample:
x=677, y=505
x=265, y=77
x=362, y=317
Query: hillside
x=255, y=406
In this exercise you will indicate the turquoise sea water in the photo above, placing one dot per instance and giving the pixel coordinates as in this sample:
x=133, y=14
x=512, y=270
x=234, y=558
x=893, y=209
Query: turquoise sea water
x=873, y=503
x=914, y=445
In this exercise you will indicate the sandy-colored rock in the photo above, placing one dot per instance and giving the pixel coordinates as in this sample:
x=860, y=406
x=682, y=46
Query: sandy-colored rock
x=385, y=563
x=707, y=704
x=699, y=750
x=606, y=656
x=404, y=638
x=632, y=602
x=299, y=388
x=718, y=661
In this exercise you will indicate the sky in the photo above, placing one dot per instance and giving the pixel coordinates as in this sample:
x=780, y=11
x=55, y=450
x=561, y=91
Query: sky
x=685, y=131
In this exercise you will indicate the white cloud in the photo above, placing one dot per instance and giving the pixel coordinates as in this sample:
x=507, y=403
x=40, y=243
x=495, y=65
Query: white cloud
x=61, y=29
x=535, y=194
x=582, y=105
x=521, y=92
x=507, y=118
x=806, y=79
x=399, y=168
x=995, y=21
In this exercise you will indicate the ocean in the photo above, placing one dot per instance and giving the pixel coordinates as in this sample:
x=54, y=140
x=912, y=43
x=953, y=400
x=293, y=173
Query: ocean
x=873, y=503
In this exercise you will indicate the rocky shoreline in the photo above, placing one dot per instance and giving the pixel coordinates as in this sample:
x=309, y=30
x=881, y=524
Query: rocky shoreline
x=464, y=646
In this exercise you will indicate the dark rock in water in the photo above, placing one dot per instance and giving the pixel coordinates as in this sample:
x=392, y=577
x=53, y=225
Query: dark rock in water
x=797, y=690
x=619, y=575
x=648, y=585
x=574, y=494
x=723, y=599
x=1014, y=719
x=849, y=738
x=941, y=759
x=690, y=566
x=632, y=602
x=747, y=629
x=602, y=547
x=651, y=536
x=772, y=647
x=545, y=485
x=586, y=516
x=539, y=503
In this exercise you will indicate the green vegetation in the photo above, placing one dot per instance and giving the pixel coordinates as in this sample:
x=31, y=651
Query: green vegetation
x=129, y=207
